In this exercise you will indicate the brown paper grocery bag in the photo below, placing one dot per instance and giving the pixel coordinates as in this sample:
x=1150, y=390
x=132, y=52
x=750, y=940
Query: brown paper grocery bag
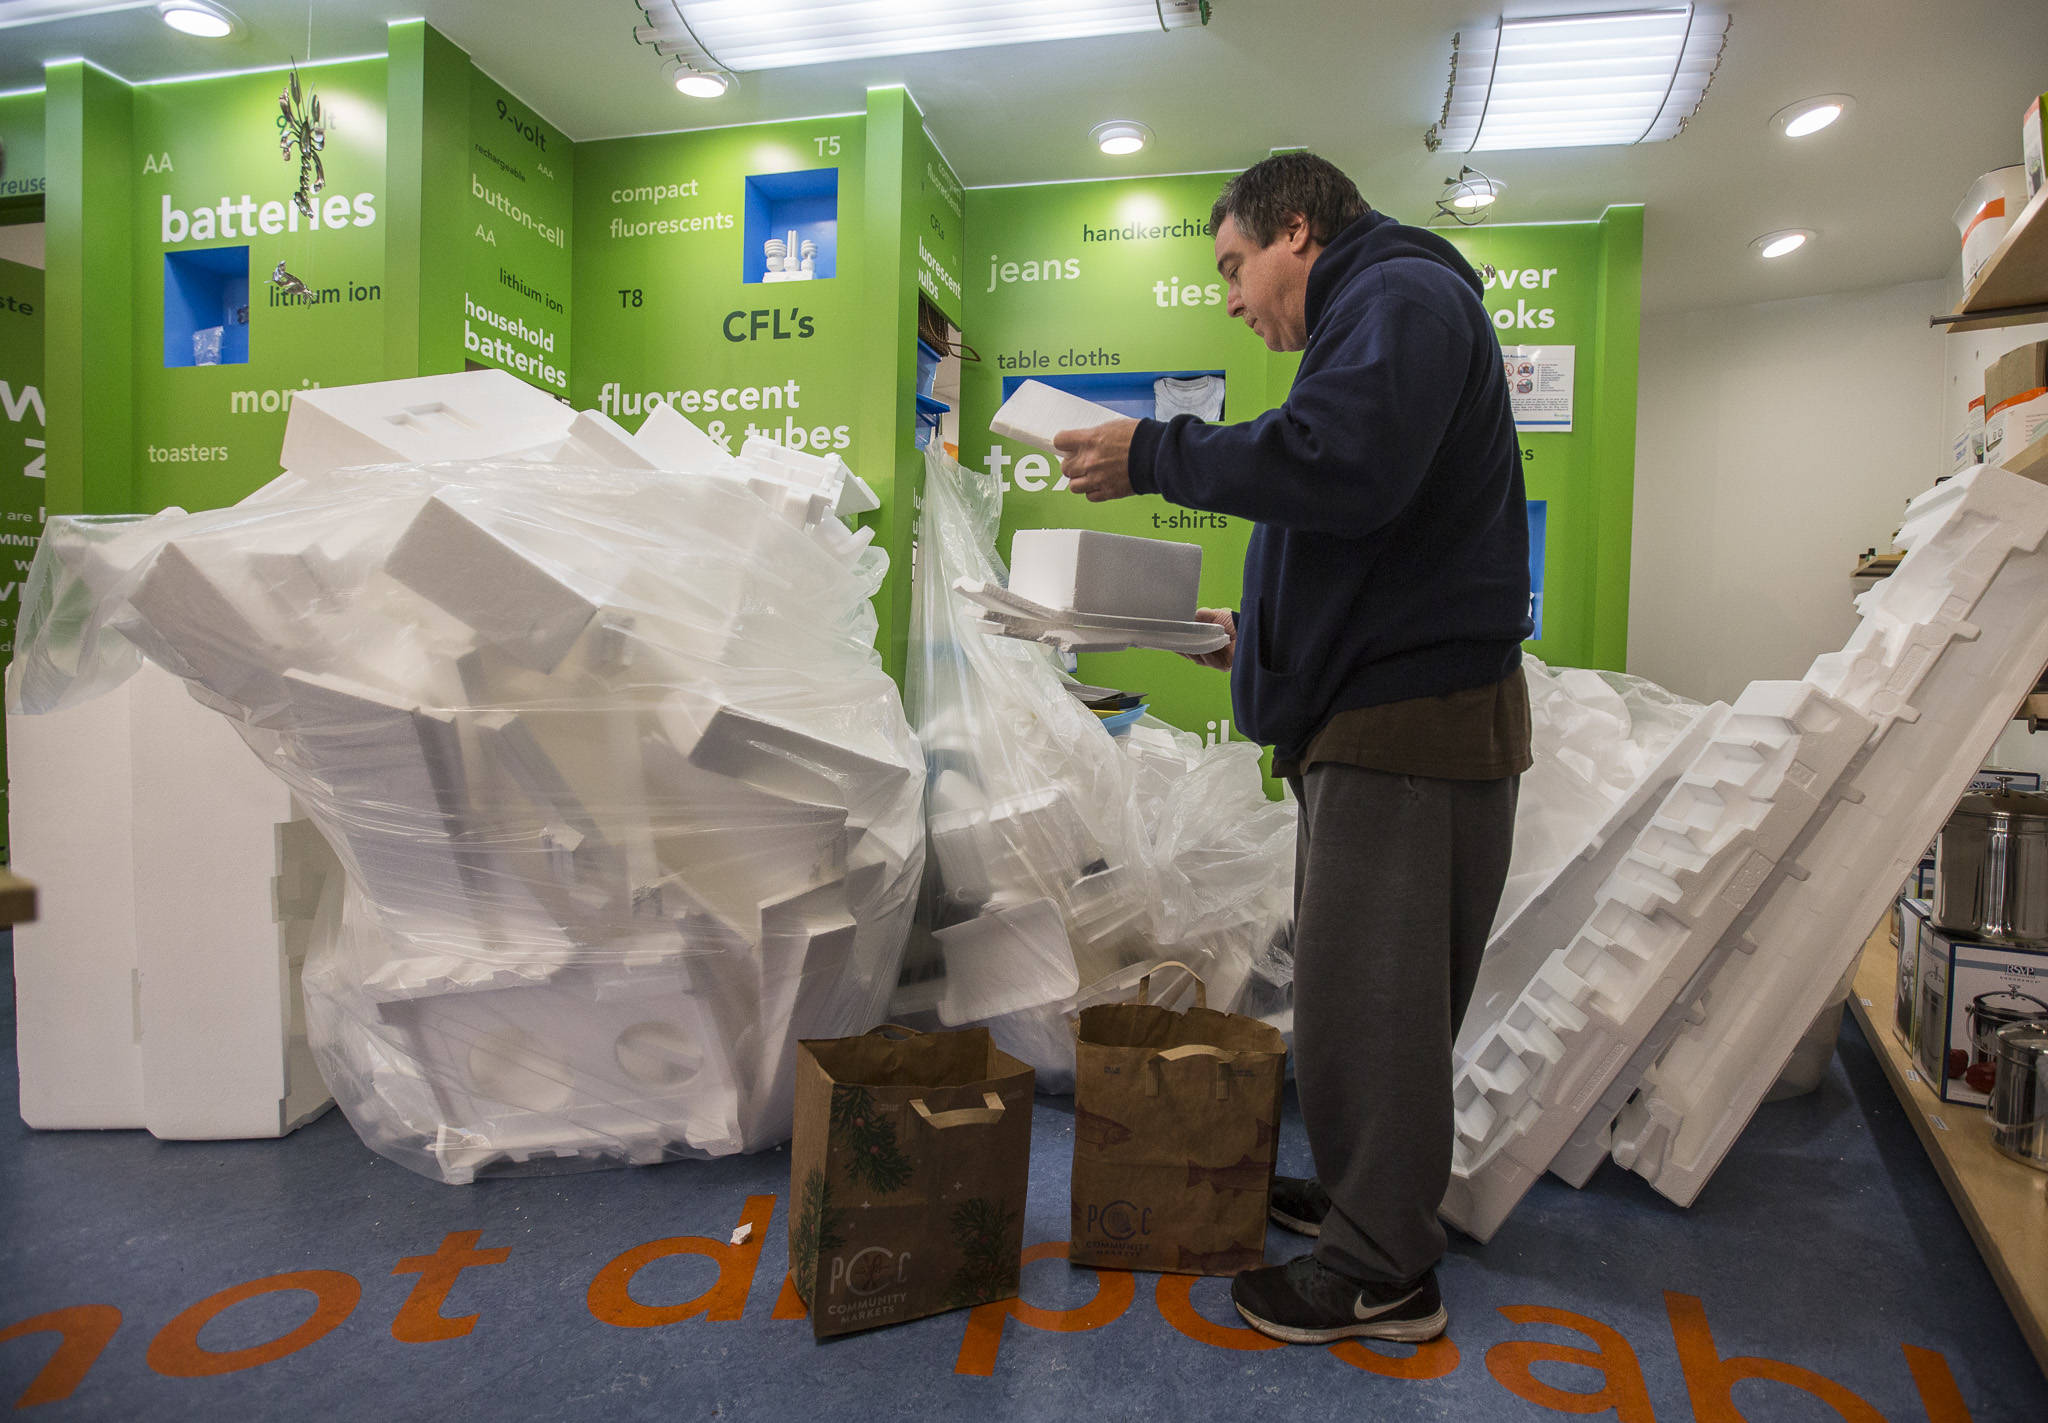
x=907, y=1176
x=1176, y=1120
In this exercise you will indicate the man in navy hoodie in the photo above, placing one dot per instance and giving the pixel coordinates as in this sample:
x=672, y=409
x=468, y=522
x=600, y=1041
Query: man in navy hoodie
x=1378, y=649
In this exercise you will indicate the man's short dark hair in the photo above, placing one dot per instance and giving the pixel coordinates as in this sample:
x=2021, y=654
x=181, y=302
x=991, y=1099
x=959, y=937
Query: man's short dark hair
x=1263, y=197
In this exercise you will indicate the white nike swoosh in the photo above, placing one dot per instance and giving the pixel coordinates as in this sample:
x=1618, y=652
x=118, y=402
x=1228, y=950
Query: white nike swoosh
x=1358, y=1306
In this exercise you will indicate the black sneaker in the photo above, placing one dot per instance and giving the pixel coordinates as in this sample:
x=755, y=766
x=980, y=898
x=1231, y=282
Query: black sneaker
x=1306, y=1302
x=1299, y=1204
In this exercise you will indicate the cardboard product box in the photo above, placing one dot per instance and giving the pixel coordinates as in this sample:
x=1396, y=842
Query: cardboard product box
x=2021, y=371
x=2011, y=427
x=1909, y=922
x=2035, y=154
x=1969, y=445
x=1966, y=989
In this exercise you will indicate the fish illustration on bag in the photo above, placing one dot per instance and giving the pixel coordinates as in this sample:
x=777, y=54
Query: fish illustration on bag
x=1249, y=1174
x=1221, y=1262
x=1098, y=1131
x=1264, y=1139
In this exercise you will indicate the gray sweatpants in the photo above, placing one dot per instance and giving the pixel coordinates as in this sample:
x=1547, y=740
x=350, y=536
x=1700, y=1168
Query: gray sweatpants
x=1396, y=882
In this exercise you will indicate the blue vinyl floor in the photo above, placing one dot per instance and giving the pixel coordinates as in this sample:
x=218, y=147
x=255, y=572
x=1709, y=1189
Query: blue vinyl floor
x=1823, y=1274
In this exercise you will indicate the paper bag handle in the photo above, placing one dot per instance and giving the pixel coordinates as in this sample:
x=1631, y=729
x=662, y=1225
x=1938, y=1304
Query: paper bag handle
x=1201, y=988
x=892, y=1028
x=1223, y=1057
x=961, y=1116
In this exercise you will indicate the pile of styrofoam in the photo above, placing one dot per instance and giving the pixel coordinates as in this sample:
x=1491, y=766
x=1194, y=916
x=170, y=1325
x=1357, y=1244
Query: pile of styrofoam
x=594, y=723
x=1067, y=863
x=1672, y=1005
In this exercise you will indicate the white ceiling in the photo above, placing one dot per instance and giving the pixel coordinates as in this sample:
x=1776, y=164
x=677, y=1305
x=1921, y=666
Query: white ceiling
x=1939, y=89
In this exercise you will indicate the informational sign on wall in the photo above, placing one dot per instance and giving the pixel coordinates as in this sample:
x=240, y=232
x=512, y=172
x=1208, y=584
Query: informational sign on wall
x=1540, y=387
x=21, y=455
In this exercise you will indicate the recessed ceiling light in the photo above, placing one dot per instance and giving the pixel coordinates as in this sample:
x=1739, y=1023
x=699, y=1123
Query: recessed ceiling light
x=198, y=18
x=699, y=83
x=1810, y=116
x=1473, y=191
x=1778, y=244
x=1120, y=136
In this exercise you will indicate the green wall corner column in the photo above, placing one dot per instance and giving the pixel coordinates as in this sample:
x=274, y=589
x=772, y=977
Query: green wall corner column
x=1618, y=328
x=426, y=162
x=888, y=403
x=89, y=291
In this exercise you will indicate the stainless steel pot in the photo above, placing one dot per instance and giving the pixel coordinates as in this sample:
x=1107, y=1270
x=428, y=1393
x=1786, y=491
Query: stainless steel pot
x=1991, y=869
x=1988, y=1012
x=2019, y=1095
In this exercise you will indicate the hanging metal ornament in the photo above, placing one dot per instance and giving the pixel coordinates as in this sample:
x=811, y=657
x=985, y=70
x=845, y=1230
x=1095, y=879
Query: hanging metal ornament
x=287, y=283
x=304, y=128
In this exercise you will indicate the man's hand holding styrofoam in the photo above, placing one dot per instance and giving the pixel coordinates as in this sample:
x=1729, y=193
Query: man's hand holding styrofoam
x=1097, y=461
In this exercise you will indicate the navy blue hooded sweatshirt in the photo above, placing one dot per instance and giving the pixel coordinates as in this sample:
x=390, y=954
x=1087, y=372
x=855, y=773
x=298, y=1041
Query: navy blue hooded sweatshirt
x=1391, y=554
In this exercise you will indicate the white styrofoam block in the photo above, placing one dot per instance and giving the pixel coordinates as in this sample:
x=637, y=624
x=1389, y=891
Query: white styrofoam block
x=1006, y=962
x=1530, y=1079
x=71, y=817
x=599, y=439
x=224, y=1051
x=1554, y=914
x=1038, y=840
x=807, y=944
x=610, y=1063
x=1087, y=571
x=218, y=625
x=672, y=440
x=1036, y=412
x=180, y=891
x=533, y=613
x=784, y=760
x=473, y=415
x=1946, y=648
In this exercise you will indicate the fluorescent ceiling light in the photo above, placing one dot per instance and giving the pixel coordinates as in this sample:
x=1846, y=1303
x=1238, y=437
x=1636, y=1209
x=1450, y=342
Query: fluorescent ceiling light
x=1572, y=81
x=745, y=35
x=1120, y=136
x=1778, y=244
x=197, y=18
x=1811, y=115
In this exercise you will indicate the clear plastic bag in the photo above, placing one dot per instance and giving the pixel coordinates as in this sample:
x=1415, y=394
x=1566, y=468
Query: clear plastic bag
x=626, y=802
x=1066, y=861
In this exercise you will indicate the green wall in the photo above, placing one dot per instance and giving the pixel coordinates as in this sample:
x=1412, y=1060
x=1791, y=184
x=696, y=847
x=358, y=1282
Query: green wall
x=21, y=455
x=22, y=177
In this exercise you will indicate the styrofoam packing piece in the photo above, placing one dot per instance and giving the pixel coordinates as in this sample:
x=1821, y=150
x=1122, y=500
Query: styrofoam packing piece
x=534, y=614
x=139, y=807
x=1550, y=918
x=217, y=627
x=1008, y=614
x=1036, y=412
x=828, y=474
x=775, y=756
x=672, y=440
x=1005, y=962
x=1529, y=1080
x=1947, y=646
x=71, y=814
x=473, y=415
x=808, y=943
x=609, y=1063
x=1088, y=571
x=603, y=441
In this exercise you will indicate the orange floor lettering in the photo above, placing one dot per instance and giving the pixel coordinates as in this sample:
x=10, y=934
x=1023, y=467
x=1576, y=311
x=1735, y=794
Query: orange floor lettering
x=1621, y=1388
x=1709, y=1378
x=1434, y=1360
x=419, y=1320
x=177, y=1353
x=610, y=1297
x=83, y=1330
x=1938, y=1392
x=1114, y=1291
x=1174, y=1296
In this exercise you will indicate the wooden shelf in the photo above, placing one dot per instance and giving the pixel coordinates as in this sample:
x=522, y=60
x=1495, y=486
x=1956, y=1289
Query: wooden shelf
x=2003, y=1203
x=1876, y=565
x=2031, y=461
x=2012, y=286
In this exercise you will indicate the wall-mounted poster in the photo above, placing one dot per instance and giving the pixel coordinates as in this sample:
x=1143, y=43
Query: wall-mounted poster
x=1540, y=386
